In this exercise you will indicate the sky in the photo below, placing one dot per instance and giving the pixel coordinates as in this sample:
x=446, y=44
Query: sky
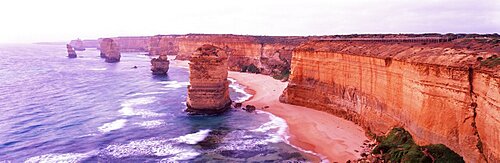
x=63, y=20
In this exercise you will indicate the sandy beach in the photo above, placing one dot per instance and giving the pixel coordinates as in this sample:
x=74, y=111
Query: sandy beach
x=334, y=138
x=309, y=129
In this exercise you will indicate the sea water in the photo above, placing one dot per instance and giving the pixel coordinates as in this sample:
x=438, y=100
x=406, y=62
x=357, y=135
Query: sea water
x=56, y=109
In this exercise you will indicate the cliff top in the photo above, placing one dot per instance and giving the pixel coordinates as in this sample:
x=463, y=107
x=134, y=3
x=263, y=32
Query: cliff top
x=478, y=52
x=208, y=50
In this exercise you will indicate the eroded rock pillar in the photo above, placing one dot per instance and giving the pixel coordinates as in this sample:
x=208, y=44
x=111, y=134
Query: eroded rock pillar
x=71, y=51
x=160, y=65
x=110, y=50
x=208, y=92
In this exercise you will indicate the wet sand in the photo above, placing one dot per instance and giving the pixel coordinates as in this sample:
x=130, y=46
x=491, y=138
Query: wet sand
x=309, y=129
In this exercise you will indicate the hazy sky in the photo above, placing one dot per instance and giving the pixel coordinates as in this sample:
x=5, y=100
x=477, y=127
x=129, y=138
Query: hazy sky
x=62, y=20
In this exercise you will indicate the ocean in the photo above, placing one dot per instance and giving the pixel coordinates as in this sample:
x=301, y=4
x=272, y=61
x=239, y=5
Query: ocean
x=57, y=109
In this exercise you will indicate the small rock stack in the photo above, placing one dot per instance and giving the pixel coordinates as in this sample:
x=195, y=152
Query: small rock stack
x=71, y=51
x=208, y=92
x=159, y=66
x=110, y=50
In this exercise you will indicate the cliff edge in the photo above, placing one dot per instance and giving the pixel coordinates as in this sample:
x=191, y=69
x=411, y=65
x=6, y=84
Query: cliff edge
x=443, y=91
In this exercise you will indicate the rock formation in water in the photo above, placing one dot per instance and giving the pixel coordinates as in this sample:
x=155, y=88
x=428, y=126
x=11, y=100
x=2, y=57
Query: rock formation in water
x=71, y=51
x=159, y=66
x=77, y=45
x=110, y=50
x=83, y=44
x=208, y=92
x=441, y=91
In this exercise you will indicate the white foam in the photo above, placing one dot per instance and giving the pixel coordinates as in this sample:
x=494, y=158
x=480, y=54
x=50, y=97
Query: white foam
x=65, y=157
x=180, y=157
x=194, y=137
x=151, y=147
x=239, y=89
x=281, y=133
x=138, y=101
x=128, y=110
x=115, y=125
x=97, y=69
x=276, y=123
x=174, y=84
x=151, y=124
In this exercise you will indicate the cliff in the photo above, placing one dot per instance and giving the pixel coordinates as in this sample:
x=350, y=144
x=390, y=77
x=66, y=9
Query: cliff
x=268, y=54
x=208, y=92
x=443, y=91
x=77, y=45
x=110, y=50
x=133, y=44
x=83, y=44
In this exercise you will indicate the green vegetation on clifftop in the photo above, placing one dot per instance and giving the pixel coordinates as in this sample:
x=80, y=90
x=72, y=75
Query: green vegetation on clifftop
x=398, y=146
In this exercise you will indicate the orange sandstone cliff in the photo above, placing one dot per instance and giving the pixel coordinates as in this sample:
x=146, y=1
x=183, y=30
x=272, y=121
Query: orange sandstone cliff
x=110, y=50
x=269, y=54
x=442, y=91
x=208, y=92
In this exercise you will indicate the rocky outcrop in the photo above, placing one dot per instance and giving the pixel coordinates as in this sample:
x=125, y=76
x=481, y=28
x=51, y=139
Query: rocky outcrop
x=77, y=45
x=159, y=66
x=71, y=51
x=110, y=50
x=83, y=44
x=439, y=91
x=208, y=92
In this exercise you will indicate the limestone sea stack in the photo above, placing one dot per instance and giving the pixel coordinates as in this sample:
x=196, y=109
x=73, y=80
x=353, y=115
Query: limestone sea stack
x=71, y=51
x=208, y=92
x=110, y=50
x=159, y=66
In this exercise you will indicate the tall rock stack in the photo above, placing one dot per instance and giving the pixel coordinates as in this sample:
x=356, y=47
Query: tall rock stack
x=71, y=51
x=159, y=66
x=208, y=92
x=110, y=50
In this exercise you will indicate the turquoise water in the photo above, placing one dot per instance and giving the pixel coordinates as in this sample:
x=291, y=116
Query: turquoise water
x=86, y=110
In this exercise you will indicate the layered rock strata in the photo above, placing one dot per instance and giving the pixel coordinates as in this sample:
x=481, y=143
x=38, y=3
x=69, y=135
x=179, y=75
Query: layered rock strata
x=269, y=55
x=160, y=65
x=133, y=44
x=208, y=92
x=71, y=51
x=110, y=50
x=442, y=92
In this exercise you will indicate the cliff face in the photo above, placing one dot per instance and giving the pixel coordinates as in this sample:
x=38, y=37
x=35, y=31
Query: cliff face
x=269, y=54
x=133, y=44
x=110, y=50
x=83, y=44
x=440, y=92
x=77, y=45
x=208, y=92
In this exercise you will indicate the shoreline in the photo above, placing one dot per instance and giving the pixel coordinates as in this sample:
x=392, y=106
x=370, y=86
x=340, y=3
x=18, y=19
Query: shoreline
x=334, y=139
